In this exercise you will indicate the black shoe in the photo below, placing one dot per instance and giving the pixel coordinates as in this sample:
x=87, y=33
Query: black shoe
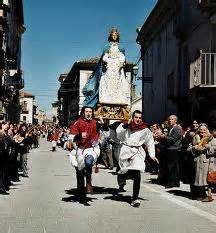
x=121, y=189
x=6, y=188
x=4, y=192
x=172, y=186
x=135, y=203
x=16, y=179
x=82, y=198
x=169, y=186
x=9, y=183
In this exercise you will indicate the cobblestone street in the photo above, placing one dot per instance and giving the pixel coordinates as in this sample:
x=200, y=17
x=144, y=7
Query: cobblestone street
x=45, y=203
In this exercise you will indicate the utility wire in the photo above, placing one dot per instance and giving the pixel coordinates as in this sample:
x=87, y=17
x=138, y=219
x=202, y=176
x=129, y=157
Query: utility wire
x=72, y=42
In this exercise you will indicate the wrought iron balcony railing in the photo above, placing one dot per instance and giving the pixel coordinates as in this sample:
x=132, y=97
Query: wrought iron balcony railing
x=203, y=71
x=17, y=83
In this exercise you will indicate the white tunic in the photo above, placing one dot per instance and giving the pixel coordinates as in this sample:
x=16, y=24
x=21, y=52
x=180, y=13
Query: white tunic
x=132, y=155
x=114, y=88
x=77, y=156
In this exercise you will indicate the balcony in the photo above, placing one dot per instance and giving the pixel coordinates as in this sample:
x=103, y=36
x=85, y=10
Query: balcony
x=2, y=61
x=15, y=79
x=207, y=4
x=24, y=107
x=19, y=84
x=203, y=71
x=4, y=6
x=24, y=111
x=11, y=63
x=1, y=109
x=16, y=83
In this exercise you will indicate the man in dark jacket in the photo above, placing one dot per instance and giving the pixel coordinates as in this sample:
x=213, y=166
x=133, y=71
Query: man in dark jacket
x=2, y=162
x=173, y=147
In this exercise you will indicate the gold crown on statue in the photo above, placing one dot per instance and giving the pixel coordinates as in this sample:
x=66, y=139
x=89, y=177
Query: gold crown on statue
x=113, y=29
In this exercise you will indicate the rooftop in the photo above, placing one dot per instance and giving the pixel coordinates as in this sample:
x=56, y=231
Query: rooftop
x=95, y=60
x=155, y=20
x=90, y=60
x=26, y=94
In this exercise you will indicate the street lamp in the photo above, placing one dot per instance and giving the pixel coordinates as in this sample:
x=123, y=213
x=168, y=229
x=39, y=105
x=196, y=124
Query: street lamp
x=61, y=103
x=133, y=86
x=135, y=71
x=11, y=88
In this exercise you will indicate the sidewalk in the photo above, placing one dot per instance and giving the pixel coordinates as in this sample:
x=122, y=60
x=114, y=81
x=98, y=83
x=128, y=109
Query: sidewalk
x=182, y=193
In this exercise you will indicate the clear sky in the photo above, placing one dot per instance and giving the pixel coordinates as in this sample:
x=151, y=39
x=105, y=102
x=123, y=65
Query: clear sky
x=62, y=32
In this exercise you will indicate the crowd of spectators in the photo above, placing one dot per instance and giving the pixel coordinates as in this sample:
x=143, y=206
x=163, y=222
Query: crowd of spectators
x=16, y=140
x=185, y=153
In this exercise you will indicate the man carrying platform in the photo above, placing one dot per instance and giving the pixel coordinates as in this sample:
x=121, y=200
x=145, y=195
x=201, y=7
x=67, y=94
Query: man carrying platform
x=133, y=136
x=85, y=134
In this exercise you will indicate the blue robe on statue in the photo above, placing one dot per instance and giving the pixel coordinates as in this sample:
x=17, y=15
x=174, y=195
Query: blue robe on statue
x=91, y=88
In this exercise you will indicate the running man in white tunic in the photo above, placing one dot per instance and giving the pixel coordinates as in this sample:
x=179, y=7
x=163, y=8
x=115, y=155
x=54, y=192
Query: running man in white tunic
x=85, y=133
x=133, y=136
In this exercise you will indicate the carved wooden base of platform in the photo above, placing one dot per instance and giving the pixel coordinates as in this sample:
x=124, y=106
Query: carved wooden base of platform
x=113, y=112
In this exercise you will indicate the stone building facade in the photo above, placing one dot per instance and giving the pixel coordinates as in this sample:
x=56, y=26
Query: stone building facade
x=136, y=103
x=11, y=81
x=55, y=106
x=178, y=54
x=27, y=107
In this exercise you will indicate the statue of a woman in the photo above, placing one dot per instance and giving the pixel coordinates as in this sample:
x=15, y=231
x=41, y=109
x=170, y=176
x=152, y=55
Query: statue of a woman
x=108, y=83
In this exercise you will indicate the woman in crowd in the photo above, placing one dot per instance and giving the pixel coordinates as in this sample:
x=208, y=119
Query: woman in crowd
x=23, y=142
x=212, y=167
x=2, y=162
x=200, y=150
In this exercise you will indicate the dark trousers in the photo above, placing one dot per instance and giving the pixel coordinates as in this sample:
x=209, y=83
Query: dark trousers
x=2, y=186
x=172, y=171
x=80, y=182
x=24, y=159
x=80, y=175
x=135, y=176
x=107, y=157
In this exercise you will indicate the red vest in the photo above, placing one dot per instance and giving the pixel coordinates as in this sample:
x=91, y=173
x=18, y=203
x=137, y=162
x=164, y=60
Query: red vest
x=88, y=126
x=54, y=136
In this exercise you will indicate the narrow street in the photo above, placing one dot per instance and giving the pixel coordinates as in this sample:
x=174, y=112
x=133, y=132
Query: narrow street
x=45, y=203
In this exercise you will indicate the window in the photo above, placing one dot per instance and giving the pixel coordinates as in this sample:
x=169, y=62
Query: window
x=151, y=61
x=170, y=85
x=146, y=63
x=159, y=45
x=148, y=66
x=25, y=106
x=185, y=72
x=1, y=107
x=24, y=118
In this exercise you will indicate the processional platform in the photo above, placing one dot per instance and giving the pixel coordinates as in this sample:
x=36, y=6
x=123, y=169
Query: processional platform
x=113, y=111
